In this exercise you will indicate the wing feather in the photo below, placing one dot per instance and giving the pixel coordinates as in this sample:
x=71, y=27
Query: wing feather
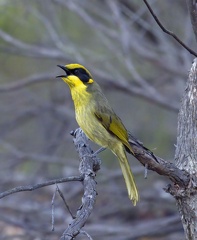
x=113, y=124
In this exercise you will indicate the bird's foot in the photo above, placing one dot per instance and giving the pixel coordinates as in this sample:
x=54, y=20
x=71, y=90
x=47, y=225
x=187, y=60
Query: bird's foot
x=98, y=151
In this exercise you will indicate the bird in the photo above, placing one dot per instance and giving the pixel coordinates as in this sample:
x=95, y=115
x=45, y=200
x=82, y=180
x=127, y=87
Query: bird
x=98, y=120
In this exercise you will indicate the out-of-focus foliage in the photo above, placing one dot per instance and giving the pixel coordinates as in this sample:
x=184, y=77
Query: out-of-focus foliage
x=141, y=70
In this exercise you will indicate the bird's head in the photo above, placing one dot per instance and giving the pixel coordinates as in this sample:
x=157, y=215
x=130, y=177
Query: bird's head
x=76, y=75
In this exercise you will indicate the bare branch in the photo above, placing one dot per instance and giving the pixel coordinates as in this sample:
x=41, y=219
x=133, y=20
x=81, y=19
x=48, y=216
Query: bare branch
x=39, y=185
x=167, y=31
x=127, y=88
x=86, y=234
x=88, y=167
x=65, y=203
x=157, y=164
x=152, y=227
x=53, y=209
x=72, y=6
x=144, y=155
x=31, y=49
x=19, y=84
x=50, y=29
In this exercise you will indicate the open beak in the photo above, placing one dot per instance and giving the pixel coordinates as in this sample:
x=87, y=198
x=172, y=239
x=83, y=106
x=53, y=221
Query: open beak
x=66, y=71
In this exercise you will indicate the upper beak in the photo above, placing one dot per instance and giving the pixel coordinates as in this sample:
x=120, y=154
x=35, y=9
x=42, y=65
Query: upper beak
x=66, y=71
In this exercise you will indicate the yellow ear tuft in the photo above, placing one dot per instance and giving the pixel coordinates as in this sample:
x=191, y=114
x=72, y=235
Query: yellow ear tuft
x=90, y=80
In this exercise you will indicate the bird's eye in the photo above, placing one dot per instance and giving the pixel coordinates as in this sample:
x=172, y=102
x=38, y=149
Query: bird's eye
x=76, y=71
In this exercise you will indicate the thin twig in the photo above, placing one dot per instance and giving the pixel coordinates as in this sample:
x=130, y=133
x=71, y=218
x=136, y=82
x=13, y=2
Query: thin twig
x=53, y=208
x=19, y=84
x=86, y=234
x=40, y=185
x=145, y=170
x=64, y=200
x=167, y=31
x=30, y=49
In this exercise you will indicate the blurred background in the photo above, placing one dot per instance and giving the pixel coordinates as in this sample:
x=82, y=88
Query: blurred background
x=141, y=70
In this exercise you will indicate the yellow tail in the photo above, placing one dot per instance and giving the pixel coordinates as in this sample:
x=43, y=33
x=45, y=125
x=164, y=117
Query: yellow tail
x=128, y=176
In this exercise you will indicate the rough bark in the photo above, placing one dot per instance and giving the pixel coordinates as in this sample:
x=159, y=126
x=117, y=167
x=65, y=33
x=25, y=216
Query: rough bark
x=186, y=153
x=89, y=165
x=192, y=7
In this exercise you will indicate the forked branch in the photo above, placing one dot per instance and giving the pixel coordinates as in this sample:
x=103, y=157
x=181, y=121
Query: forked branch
x=89, y=165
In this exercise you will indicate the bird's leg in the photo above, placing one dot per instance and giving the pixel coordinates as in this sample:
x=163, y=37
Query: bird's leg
x=99, y=151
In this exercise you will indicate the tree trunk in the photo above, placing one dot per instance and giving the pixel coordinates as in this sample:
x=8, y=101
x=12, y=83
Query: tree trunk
x=186, y=155
x=192, y=8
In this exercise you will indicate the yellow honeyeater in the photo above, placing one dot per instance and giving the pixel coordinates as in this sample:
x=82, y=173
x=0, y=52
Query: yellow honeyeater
x=98, y=120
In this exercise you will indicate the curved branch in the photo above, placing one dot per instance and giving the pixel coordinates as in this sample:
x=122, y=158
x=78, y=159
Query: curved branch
x=88, y=166
x=19, y=84
x=36, y=51
x=127, y=88
x=157, y=164
x=169, y=32
x=39, y=185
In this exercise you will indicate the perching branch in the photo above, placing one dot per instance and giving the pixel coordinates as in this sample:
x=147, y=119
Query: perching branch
x=89, y=165
x=167, y=31
x=157, y=164
x=87, y=169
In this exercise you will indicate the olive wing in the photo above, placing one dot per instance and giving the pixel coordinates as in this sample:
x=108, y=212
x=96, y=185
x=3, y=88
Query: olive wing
x=113, y=124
